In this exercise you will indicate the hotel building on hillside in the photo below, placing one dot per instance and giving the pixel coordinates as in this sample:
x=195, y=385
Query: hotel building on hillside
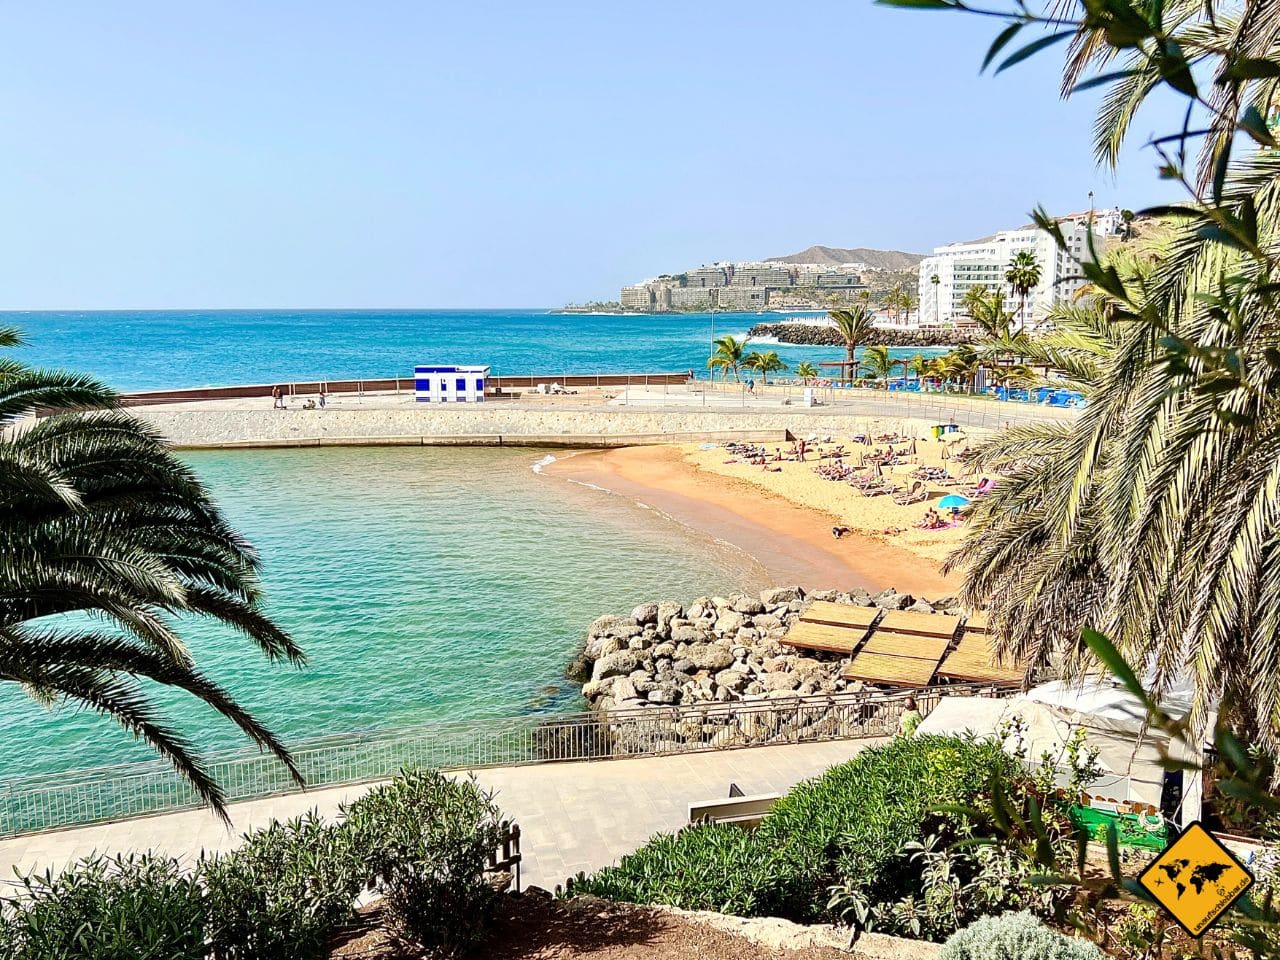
x=961, y=266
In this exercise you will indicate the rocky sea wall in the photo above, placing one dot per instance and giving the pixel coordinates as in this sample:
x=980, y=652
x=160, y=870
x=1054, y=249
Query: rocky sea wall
x=716, y=649
x=821, y=336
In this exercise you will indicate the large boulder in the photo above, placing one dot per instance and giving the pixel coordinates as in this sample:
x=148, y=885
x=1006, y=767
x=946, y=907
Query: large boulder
x=664, y=695
x=734, y=680
x=668, y=610
x=779, y=595
x=611, y=625
x=645, y=613
x=708, y=656
x=780, y=681
x=686, y=634
x=729, y=623
x=749, y=606
x=624, y=688
x=618, y=664
x=891, y=600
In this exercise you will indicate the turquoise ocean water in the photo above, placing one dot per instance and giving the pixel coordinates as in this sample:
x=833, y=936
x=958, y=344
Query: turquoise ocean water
x=423, y=584
x=158, y=349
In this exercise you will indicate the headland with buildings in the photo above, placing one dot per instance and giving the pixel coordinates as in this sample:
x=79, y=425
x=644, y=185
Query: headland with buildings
x=819, y=278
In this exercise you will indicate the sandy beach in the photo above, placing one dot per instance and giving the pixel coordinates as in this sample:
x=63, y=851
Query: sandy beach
x=784, y=518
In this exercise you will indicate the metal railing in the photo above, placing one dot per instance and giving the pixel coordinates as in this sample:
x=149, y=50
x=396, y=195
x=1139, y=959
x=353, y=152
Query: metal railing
x=100, y=794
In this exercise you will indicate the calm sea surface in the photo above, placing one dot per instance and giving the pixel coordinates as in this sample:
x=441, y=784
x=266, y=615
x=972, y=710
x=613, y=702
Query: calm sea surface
x=424, y=584
x=158, y=349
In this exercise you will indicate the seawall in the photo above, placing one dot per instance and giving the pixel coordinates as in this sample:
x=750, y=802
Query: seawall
x=194, y=426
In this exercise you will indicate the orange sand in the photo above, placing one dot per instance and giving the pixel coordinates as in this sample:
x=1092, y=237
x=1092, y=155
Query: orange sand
x=783, y=519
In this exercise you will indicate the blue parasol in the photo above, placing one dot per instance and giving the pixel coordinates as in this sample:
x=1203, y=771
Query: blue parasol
x=953, y=502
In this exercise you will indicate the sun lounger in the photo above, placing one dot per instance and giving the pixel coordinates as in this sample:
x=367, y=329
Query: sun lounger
x=917, y=494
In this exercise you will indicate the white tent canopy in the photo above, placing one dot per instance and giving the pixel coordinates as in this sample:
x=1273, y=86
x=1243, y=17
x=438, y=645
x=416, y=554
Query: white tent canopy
x=1113, y=721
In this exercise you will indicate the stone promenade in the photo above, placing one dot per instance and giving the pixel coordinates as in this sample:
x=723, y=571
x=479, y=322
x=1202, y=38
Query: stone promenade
x=574, y=817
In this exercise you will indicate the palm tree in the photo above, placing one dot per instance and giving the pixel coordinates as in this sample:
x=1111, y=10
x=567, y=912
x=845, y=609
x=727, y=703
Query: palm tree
x=986, y=309
x=730, y=352
x=1023, y=276
x=806, y=371
x=854, y=327
x=101, y=522
x=1150, y=516
x=881, y=363
x=960, y=364
x=764, y=363
x=894, y=300
x=935, y=280
x=1153, y=516
x=919, y=366
x=909, y=302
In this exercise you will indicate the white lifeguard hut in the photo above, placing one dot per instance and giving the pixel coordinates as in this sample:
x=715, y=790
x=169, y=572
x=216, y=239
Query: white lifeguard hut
x=449, y=384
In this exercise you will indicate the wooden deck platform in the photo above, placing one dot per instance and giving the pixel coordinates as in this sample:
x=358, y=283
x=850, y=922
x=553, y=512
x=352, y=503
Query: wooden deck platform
x=886, y=669
x=894, y=644
x=973, y=659
x=840, y=614
x=920, y=624
x=824, y=637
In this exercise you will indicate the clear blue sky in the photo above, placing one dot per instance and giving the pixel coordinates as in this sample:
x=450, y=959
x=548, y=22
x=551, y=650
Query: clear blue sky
x=161, y=154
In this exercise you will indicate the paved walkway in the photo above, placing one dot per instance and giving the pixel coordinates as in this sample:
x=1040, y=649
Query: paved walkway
x=573, y=816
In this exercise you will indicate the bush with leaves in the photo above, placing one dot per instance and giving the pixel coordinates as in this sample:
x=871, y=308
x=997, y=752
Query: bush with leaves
x=718, y=867
x=124, y=908
x=425, y=840
x=284, y=893
x=844, y=827
x=1015, y=936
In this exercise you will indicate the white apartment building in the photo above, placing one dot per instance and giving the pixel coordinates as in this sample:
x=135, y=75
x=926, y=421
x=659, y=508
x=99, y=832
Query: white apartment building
x=961, y=266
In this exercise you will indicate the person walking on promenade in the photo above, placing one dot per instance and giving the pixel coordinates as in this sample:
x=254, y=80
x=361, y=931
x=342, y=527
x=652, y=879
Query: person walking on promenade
x=910, y=719
x=277, y=398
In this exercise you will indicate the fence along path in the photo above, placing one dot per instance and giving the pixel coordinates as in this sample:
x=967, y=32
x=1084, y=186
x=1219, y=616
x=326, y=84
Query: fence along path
x=104, y=794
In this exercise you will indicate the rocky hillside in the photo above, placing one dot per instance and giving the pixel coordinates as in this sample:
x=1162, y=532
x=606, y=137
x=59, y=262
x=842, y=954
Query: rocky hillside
x=831, y=256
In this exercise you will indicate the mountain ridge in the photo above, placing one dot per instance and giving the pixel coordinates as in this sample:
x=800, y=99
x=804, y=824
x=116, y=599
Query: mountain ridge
x=831, y=256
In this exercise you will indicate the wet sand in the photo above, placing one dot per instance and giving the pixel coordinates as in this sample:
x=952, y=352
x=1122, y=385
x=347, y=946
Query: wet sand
x=793, y=542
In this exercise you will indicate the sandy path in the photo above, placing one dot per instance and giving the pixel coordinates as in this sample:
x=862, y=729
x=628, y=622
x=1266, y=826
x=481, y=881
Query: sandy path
x=791, y=541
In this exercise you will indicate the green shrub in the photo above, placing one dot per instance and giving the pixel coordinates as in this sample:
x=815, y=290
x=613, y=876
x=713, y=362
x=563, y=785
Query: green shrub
x=123, y=908
x=1015, y=936
x=284, y=893
x=425, y=840
x=848, y=825
x=851, y=823
x=716, y=867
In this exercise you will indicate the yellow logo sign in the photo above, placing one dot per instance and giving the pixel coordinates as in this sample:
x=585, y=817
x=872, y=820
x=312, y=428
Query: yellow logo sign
x=1196, y=879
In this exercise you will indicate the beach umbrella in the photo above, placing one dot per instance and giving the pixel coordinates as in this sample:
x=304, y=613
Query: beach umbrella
x=953, y=501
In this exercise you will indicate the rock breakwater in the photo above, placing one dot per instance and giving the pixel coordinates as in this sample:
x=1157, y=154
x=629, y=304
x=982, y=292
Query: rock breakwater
x=717, y=650
x=821, y=336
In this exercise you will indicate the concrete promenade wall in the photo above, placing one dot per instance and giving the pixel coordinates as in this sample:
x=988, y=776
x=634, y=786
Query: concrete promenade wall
x=502, y=424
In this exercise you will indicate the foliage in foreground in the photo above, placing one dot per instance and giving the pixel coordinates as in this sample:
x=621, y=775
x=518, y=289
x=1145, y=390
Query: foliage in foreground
x=421, y=842
x=855, y=827
x=426, y=839
x=101, y=521
x=1015, y=936
x=124, y=908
